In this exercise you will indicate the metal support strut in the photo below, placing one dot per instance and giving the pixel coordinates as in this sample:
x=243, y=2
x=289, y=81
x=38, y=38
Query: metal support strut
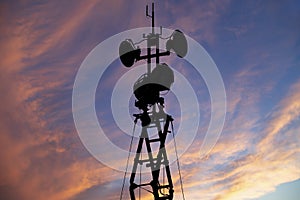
x=154, y=163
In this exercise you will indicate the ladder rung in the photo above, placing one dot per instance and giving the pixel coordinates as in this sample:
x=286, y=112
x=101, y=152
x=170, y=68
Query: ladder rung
x=155, y=140
x=146, y=160
x=144, y=184
x=163, y=186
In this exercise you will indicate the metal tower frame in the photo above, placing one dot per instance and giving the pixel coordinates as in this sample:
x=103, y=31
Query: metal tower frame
x=161, y=159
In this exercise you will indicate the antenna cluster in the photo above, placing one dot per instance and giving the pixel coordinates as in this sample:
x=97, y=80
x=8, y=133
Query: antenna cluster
x=148, y=86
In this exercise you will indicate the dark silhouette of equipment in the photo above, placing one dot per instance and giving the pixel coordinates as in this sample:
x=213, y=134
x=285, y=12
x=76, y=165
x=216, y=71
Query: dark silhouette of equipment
x=147, y=90
x=148, y=86
x=128, y=53
x=178, y=43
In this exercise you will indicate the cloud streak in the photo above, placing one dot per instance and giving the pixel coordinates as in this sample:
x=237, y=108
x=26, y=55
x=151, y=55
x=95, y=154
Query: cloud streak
x=43, y=155
x=42, y=45
x=243, y=164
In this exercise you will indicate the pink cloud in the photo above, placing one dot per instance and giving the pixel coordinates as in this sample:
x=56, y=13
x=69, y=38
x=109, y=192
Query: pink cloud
x=39, y=161
x=248, y=159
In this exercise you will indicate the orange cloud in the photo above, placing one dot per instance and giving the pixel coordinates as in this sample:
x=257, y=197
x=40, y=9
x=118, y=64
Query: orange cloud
x=239, y=167
x=289, y=110
x=38, y=159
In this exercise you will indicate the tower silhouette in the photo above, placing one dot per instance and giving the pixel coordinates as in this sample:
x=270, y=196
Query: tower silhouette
x=147, y=91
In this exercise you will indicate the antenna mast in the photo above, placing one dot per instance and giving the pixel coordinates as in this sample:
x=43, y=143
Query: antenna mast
x=151, y=16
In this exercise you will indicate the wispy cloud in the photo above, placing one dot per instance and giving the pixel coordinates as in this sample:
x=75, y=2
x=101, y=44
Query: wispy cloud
x=42, y=45
x=244, y=162
x=43, y=155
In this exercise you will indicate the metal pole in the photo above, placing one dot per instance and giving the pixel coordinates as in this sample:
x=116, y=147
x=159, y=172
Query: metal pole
x=152, y=18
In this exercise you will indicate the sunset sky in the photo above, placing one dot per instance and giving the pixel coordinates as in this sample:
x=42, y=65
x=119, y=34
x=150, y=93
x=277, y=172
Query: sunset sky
x=254, y=43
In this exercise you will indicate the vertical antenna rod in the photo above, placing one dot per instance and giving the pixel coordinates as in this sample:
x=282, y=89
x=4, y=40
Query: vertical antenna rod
x=151, y=16
x=150, y=40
